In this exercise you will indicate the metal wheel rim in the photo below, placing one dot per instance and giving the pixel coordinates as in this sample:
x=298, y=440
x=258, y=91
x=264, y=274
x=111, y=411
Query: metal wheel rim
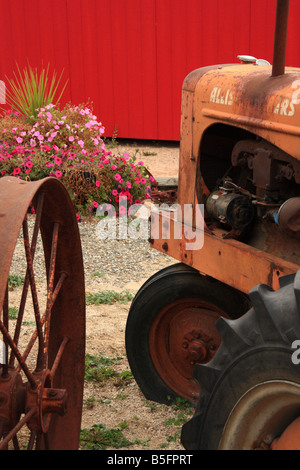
x=183, y=334
x=61, y=342
x=261, y=415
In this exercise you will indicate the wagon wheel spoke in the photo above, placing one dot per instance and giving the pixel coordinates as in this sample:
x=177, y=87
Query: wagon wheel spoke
x=26, y=282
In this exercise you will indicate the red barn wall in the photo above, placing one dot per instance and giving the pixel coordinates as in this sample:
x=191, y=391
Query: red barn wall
x=129, y=57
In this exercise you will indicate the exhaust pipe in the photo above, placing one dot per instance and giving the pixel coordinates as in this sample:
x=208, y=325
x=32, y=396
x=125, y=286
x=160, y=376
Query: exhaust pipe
x=280, y=39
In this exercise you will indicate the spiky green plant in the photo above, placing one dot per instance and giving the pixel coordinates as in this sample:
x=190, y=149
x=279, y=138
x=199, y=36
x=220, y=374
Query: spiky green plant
x=30, y=90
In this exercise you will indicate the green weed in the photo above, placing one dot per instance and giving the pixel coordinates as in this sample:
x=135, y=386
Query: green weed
x=108, y=297
x=14, y=280
x=98, y=437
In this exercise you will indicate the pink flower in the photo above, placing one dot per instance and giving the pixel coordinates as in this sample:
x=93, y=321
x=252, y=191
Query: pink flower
x=122, y=210
x=140, y=163
x=17, y=171
x=113, y=167
x=95, y=204
x=97, y=184
x=143, y=181
x=29, y=164
x=137, y=202
x=71, y=138
x=128, y=184
x=114, y=192
x=117, y=177
x=58, y=160
x=58, y=174
x=19, y=140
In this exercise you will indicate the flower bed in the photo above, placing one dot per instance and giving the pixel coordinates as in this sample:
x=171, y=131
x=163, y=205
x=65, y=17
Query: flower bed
x=68, y=144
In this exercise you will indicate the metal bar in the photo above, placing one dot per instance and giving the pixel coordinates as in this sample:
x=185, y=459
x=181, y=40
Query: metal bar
x=17, y=428
x=51, y=275
x=280, y=39
x=59, y=356
x=34, y=294
x=8, y=339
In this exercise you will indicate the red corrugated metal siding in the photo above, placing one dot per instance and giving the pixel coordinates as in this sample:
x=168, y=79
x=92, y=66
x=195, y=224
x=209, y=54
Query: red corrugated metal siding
x=131, y=56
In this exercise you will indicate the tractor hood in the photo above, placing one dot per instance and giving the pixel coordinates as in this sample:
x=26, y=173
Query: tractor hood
x=249, y=97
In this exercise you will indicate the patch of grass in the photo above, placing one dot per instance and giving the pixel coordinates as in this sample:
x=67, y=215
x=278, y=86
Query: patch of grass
x=13, y=313
x=14, y=280
x=178, y=421
x=149, y=154
x=184, y=409
x=100, y=369
x=97, y=368
x=124, y=378
x=108, y=297
x=97, y=274
x=98, y=437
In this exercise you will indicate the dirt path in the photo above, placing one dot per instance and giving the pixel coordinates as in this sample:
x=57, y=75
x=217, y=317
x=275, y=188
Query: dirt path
x=117, y=403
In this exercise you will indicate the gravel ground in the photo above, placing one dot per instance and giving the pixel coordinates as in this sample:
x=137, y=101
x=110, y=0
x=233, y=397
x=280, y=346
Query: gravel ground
x=120, y=261
x=110, y=260
x=119, y=265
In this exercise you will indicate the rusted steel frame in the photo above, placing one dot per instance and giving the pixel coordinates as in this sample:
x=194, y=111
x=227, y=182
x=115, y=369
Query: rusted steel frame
x=26, y=281
x=17, y=428
x=34, y=336
x=251, y=265
x=34, y=294
x=280, y=40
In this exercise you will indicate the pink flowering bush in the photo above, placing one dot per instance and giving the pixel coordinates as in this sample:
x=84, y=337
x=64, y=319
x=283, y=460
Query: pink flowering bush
x=68, y=144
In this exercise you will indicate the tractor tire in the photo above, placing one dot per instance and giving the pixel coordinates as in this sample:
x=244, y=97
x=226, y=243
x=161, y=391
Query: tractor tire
x=250, y=391
x=171, y=326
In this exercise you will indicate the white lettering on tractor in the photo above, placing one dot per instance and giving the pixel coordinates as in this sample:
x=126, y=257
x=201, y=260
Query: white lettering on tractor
x=220, y=96
x=286, y=106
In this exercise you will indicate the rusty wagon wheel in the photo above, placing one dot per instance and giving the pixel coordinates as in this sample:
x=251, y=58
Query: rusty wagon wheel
x=42, y=350
x=250, y=391
x=171, y=327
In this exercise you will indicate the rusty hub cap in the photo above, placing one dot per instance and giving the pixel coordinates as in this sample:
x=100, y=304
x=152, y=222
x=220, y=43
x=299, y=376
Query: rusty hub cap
x=182, y=335
x=262, y=418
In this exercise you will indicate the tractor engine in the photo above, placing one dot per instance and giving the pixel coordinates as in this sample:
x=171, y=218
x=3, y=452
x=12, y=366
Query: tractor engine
x=261, y=184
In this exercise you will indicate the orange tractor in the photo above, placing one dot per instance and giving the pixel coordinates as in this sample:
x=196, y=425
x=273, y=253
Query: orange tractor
x=221, y=327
